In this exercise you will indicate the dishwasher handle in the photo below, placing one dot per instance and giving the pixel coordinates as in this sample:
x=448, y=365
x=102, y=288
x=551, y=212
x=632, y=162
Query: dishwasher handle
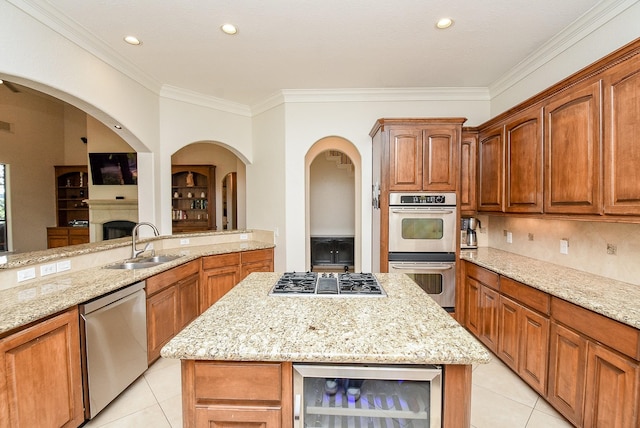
x=94, y=305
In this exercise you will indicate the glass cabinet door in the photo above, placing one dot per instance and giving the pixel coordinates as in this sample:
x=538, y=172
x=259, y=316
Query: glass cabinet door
x=339, y=396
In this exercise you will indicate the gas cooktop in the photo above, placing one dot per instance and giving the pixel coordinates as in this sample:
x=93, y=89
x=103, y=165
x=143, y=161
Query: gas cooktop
x=328, y=284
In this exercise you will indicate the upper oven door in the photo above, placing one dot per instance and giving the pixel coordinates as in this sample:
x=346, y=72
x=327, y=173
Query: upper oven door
x=422, y=229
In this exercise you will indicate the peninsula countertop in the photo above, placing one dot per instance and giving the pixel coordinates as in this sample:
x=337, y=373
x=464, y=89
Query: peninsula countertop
x=614, y=299
x=405, y=327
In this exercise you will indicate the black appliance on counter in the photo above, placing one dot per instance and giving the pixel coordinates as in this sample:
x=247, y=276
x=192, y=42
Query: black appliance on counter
x=328, y=284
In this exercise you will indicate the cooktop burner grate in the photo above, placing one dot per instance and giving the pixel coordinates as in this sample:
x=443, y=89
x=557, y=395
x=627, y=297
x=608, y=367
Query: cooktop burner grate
x=328, y=284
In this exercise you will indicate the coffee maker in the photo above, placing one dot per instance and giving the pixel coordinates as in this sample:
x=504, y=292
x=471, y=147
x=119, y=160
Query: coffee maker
x=468, y=237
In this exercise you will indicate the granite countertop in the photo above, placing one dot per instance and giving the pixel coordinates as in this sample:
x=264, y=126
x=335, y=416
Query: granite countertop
x=405, y=327
x=35, y=300
x=614, y=299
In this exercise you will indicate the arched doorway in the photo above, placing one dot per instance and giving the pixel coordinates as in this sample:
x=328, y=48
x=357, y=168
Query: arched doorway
x=333, y=208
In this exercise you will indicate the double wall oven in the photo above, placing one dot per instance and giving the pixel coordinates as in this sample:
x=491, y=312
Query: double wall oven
x=422, y=241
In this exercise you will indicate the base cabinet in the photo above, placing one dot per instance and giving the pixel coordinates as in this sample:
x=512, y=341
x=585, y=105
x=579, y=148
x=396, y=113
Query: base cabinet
x=40, y=375
x=232, y=417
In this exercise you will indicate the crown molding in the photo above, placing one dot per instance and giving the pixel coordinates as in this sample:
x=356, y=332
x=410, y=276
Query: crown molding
x=197, y=98
x=578, y=30
x=48, y=15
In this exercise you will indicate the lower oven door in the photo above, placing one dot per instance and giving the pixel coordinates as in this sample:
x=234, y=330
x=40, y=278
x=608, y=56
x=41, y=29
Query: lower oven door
x=437, y=279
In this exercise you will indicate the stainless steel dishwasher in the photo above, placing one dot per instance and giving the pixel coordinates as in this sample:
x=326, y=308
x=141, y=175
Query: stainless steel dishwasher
x=114, y=341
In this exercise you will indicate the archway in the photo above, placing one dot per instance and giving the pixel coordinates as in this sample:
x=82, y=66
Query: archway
x=336, y=196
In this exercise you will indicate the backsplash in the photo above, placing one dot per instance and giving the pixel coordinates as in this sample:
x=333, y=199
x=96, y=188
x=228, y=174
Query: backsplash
x=588, y=244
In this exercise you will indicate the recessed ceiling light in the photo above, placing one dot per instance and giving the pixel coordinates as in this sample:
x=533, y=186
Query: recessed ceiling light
x=117, y=126
x=229, y=29
x=444, y=23
x=132, y=40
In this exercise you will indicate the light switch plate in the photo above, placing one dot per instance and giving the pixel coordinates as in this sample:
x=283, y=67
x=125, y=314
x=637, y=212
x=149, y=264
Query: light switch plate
x=564, y=246
x=26, y=274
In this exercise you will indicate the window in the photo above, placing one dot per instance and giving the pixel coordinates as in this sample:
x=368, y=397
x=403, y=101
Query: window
x=3, y=209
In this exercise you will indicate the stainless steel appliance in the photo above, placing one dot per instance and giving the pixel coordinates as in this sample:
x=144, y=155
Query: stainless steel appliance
x=436, y=278
x=328, y=284
x=422, y=222
x=114, y=340
x=396, y=396
x=468, y=237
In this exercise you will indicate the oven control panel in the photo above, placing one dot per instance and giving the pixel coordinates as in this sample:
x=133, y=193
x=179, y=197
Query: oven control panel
x=422, y=199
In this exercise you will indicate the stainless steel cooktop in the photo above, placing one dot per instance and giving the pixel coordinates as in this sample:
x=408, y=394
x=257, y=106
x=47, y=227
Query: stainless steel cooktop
x=328, y=284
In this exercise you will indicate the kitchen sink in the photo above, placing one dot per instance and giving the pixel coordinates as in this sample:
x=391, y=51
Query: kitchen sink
x=142, y=263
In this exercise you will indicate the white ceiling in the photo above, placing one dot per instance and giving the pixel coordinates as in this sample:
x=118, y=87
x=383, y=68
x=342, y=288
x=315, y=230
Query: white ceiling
x=316, y=44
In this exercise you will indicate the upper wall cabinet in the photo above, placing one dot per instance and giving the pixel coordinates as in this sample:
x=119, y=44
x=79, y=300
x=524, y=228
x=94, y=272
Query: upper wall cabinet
x=523, y=161
x=468, y=159
x=621, y=102
x=490, y=157
x=572, y=150
x=422, y=153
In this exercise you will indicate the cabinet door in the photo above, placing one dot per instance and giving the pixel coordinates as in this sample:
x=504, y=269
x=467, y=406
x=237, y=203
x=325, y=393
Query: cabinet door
x=405, y=158
x=523, y=162
x=489, y=303
x=567, y=371
x=188, y=291
x=472, y=303
x=468, y=154
x=534, y=349
x=440, y=158
x=40, y=375
x=321, y=251
x=234, y=417
x=219, y=275
x=490, y=150
x=509, y=337
x=612, y=389
x=621, y=144
x=161, y=320
x=256, y=261
x=572, y=151
x=343, y=252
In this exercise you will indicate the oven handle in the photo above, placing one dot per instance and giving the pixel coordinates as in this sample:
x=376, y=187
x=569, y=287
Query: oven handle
x=418, y=267
x=419, y=211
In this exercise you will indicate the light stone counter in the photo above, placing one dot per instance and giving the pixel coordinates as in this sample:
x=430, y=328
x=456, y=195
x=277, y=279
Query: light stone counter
x=614, y=299
x=38, y=299
x=405, y=327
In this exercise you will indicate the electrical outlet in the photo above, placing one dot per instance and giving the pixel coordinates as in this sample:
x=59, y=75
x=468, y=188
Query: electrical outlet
x=612, y=249
x=26, y=274
x=530, y=236
x=244, y=236
x=564, y=246
x=64, y=265
x=509, y=238
x=184, y=241
x=48, y=269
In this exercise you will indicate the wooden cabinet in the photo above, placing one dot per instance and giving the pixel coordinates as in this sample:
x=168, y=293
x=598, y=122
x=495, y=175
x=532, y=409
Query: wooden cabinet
x=332, y=251
x=489, y=302
x=468, y=161
x=524, y=161
x=440, y=151
x=193, y=197
x=572, y=151
x=236, y=394
x=405, y=159
x=490, y=169
x=481, y=304
x=71, y=191
x=220, y=273
x=256, y=261
x=472, y=313
x=40, y=375
x=621, y=87
x=172, y=302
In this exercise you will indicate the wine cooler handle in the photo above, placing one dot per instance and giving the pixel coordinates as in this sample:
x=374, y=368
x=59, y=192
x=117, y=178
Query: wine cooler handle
x=296, y=407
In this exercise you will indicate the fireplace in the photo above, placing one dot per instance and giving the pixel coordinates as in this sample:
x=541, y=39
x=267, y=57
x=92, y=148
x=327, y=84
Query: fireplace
x=117, y=229
x=104, y=211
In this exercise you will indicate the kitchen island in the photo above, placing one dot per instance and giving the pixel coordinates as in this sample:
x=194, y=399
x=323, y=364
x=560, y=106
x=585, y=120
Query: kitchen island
x=237, y=357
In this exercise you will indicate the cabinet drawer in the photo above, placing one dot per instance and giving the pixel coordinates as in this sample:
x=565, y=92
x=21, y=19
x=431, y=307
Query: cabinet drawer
x=213, y=262
x=238, y=381
x=165, y=279
x=529, y=296
x=621, y=337
x=257, y=255
x=483, y=275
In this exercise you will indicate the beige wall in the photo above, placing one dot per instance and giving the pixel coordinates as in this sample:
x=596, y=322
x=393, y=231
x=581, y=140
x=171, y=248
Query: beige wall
x=587, y=244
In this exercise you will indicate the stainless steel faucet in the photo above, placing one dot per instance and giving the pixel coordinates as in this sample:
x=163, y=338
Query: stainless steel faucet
x=134, y=239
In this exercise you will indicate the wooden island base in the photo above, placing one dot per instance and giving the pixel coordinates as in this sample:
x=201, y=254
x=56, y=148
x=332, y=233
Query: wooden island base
x=260, y=394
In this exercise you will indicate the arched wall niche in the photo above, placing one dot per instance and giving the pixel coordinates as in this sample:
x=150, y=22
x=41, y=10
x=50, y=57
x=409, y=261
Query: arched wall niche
x=348, y=148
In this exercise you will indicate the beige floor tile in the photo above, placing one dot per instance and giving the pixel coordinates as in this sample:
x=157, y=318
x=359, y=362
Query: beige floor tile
x=149, y=417
x=135, y=398
x=492, y=410
x=544, y=407
x=172, y=408
x=165, y=382
x=162, y=363
x=497, y=377
x=543, y=420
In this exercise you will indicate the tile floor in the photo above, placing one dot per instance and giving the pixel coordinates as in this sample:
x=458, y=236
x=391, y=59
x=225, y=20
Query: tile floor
x=499, y=400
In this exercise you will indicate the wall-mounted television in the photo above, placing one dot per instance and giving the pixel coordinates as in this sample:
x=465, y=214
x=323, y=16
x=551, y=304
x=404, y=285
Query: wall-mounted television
x=113, y=168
